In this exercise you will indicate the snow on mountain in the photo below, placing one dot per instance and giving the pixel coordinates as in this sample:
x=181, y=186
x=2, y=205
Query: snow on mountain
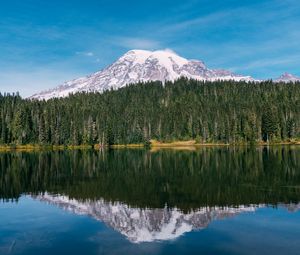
x=287, y=77
x=145, y=224
x=141, y=65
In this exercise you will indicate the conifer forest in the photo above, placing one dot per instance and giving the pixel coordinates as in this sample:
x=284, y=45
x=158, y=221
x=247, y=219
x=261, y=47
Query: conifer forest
x=208, y=112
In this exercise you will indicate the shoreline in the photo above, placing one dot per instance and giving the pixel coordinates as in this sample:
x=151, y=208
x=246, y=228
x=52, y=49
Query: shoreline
x=153, y=145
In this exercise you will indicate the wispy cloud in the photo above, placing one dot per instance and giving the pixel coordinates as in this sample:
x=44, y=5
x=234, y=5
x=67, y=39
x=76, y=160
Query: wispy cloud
x=135, y=42
x=271, y=62
x=202, y=21
x=86, y=54
x=249, y=15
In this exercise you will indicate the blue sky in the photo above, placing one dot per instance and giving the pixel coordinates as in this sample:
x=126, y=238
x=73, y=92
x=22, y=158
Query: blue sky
x=43, y=43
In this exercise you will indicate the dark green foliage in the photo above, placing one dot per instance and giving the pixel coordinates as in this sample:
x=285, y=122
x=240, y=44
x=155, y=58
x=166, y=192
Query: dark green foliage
x=231, y=112
x=270, y=123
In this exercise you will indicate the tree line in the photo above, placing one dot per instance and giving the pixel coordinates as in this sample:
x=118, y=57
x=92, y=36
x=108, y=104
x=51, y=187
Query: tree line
x=220, y=111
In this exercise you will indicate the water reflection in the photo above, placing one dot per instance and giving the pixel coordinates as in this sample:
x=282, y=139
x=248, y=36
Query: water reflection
x=145, y=224
x=149, y=196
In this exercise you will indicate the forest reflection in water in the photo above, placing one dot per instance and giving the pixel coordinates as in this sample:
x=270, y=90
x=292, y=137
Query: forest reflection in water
x=141, y=178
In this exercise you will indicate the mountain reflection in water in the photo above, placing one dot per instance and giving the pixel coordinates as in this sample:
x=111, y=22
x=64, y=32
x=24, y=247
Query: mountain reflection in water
x=146, y=224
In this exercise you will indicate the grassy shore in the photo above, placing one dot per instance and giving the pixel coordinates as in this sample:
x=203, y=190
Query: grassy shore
x=119, y=146
x=36, y=147
x=154, y=144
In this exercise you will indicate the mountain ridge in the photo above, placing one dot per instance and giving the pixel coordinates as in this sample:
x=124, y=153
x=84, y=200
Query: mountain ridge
x=287, y=77
x=140, y=66
x=144, y=66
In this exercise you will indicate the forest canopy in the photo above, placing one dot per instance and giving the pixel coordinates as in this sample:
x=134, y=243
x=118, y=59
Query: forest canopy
x=208, y=112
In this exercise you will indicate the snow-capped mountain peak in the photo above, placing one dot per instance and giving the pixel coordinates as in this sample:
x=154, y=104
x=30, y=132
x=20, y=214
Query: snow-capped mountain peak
x=287, y=77
x=165, y=57
x=141, y=65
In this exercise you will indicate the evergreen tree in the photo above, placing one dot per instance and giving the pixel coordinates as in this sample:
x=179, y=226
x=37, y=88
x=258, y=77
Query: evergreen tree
x=269, y=124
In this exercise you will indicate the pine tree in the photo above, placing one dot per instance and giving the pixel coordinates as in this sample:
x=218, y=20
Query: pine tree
x=269, y=124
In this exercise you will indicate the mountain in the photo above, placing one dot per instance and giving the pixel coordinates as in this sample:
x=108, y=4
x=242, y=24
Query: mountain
x=144, y=224
x=141, y=65
x=287, y=77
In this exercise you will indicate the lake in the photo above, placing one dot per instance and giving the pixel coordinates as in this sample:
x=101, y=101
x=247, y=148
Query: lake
x=208, y=200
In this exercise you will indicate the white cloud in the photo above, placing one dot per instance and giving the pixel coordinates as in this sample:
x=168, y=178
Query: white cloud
x=135, y=43
x=270, y=62
x=86, y=54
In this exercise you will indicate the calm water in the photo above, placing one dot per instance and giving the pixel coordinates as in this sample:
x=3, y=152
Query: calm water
x=205, y=201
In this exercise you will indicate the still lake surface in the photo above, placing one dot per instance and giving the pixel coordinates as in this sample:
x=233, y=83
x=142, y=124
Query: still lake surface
x=204, y=201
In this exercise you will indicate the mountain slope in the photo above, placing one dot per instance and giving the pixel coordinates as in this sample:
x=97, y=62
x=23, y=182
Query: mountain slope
x=141, y=65
x=287, y=77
